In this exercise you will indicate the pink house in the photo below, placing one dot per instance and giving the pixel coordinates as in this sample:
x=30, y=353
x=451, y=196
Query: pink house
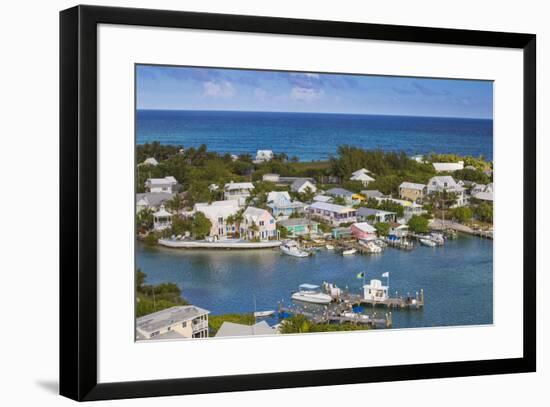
x=363, y=231
x=258, y=223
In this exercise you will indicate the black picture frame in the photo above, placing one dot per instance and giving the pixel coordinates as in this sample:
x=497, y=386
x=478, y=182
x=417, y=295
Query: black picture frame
x=78, y=197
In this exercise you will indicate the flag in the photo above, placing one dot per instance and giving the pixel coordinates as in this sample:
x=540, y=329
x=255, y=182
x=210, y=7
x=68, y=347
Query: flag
x=361, y=275
x=386, y=274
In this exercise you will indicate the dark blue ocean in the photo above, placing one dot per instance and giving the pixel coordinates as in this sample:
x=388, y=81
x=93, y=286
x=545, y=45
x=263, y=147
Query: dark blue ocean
x=313, y=136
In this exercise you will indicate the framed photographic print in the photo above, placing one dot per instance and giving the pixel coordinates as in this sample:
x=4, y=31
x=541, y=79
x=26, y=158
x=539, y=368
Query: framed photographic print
x=261, y=202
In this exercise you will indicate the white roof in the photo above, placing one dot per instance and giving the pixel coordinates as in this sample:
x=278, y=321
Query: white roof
x=162, y=212
x=484, y=196
x=162, y=181
x=254, y=214
x=233, y=329
x=361, y=171
x=151, y=161
x=361, y=177
x=239, y=185
x=218, y=208
x=440, y=167
x=325, y=206
x=364, y=227
x=441, y=180
x=412, y=185
x=277, y=195
x=322, y=198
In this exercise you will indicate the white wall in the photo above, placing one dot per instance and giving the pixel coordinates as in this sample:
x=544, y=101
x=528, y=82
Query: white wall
x=29, y=146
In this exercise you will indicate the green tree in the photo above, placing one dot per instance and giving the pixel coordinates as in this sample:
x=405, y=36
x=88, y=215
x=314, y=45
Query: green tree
x=151, y=239
x=200, y=226
x=462, y=214
x=144, y=219
x=484, y=212
x=418, y=224
x=383, y=228
x=283, y=232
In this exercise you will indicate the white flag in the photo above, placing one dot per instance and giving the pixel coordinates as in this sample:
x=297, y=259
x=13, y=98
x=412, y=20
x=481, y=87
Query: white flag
x=386, y=274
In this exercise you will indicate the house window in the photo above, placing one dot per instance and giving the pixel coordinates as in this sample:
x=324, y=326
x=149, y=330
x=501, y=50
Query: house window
x=184, y=324
x=261, y=223
x=220, y=220
x=271, y=221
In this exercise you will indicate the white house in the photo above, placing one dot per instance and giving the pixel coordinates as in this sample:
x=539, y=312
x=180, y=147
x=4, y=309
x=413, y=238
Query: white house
x=482, y=192
x=446, y=183
x=263, y=156
x=271, y=177
x=362, y=176
x=239, y=191
x=375, y=291
x=162, y=219
x=218, y=212
x=150, y=161
x=301, y=185
x=156, y=185
x=152, y=201
x=186, y=321
x=448, y=167
x=332, y=213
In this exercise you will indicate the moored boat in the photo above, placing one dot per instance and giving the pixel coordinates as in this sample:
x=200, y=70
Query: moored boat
x=311, y=293
x=329, y=247
x=428, y=242
x=349, y=252
x=291, y=248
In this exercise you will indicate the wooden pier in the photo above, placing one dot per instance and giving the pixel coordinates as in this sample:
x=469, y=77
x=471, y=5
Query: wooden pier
x=398, y=302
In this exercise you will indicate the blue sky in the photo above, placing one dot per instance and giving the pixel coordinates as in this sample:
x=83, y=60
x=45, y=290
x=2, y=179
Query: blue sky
x=184, y=88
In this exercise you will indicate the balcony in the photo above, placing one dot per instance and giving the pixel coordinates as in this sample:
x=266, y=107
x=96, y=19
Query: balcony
x=200, y=325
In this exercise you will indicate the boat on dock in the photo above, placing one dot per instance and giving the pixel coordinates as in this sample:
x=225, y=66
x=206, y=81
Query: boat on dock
x=349, y=252
x=428, y=242
x=291, y=248
x=311, y=293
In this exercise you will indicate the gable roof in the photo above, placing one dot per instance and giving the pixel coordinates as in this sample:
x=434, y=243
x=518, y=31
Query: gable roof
x=361, y=177
x=325, y=206
x=238, y=185
x=364, y=227
x=412, y=185
x=362, y=211
x=278, y=196
x=361, y=171
x=339, y=192
x=233, y=329
x=441, y=167
x=322, y=198
x=372, y=193
x=299, y=183
x=153, y=199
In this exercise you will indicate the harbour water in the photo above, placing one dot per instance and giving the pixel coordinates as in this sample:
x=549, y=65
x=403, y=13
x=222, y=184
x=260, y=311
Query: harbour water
x=313, y=136
x=457, y=278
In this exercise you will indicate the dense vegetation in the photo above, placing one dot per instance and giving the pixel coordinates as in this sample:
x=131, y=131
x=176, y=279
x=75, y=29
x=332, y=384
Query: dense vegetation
x=300, y=324
x=152, y=298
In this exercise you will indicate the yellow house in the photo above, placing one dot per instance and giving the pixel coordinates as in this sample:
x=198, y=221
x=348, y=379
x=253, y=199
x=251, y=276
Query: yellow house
x=411, y=191
x=358, y=197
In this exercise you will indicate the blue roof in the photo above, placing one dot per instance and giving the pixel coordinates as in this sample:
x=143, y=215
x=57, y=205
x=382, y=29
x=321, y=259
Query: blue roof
x=339, y=192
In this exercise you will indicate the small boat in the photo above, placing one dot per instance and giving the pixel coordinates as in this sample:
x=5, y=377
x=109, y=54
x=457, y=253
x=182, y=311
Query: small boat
x=371, y=246
x=349, y=252
x=329, y=247
x=428, y=242
x=260, y=314
x=437, y=238
x=291, y=248
x=311, y=293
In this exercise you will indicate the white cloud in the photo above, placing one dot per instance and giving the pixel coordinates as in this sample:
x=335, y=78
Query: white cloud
x=305, y=94
x=218, y=89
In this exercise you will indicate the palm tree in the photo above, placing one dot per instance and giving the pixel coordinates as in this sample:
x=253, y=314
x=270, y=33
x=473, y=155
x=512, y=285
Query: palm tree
x=443, y=200
x=238, y=218
x=175, y=204
x=230, y=221
x=254, y=228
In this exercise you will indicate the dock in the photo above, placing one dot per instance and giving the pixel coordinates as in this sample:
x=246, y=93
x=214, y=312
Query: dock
x=221, y=244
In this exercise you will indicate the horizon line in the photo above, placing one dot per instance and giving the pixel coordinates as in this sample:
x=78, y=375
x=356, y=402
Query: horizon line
x=328, y=113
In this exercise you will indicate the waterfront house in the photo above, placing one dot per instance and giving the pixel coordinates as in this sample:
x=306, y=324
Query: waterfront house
x=412, y=191
x=218, y=212
x=229, y=329
x=375, y=291
x=152, y=201
x=362, y=176
x=322, y=198
x=258, y=223
x=341, y=233
x=263, y=156
x=238, y=191
x=150, y=161
x=375, y=215
x=157, y=185
x=301, y=185
x=162, y=219
x=363, y=231
x=372, y=193
x=281, y=204
x=448, y=167
x=299, y=226
x=446, y=183
x=186, y=321
x=332, y=213
x=271, y=177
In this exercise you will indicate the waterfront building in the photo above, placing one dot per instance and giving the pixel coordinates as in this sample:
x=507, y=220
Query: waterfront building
x=150, y=161
x=322, y=198
x=281, y=204
x=341, y=233
x=238, y=191
x=271, y=177
x=362, y=176
x=446, y=183
x=186, y=321
x=375, y=291
x=412, y=191
x=332, y=213
x=218, y=212
x=265, y=227
x=162, y=219
x=301, y=185
x=342, y=193
x=363, y=231
x=375, y=215
x=232, y=329
x=149, y=200
x=299, y=226
x=157, y=185
x=448, y=167
x=263, y=156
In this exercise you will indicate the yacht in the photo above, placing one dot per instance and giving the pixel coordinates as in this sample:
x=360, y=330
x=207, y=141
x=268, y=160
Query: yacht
x=349, y=252
x=311, y=293
x=291, y=248
x=428, y=242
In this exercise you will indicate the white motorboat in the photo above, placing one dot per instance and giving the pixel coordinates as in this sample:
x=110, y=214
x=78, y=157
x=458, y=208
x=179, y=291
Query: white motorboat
x=428, y=242
x=437, y=238
x=371, y=246
x=260, y=314
x=329, y=247
x=349, y=252
x=311, y=293
x=291, y=248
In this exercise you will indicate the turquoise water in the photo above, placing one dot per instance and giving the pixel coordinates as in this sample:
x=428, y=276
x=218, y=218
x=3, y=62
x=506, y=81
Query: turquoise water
x=314, y=136
x=457, y=278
